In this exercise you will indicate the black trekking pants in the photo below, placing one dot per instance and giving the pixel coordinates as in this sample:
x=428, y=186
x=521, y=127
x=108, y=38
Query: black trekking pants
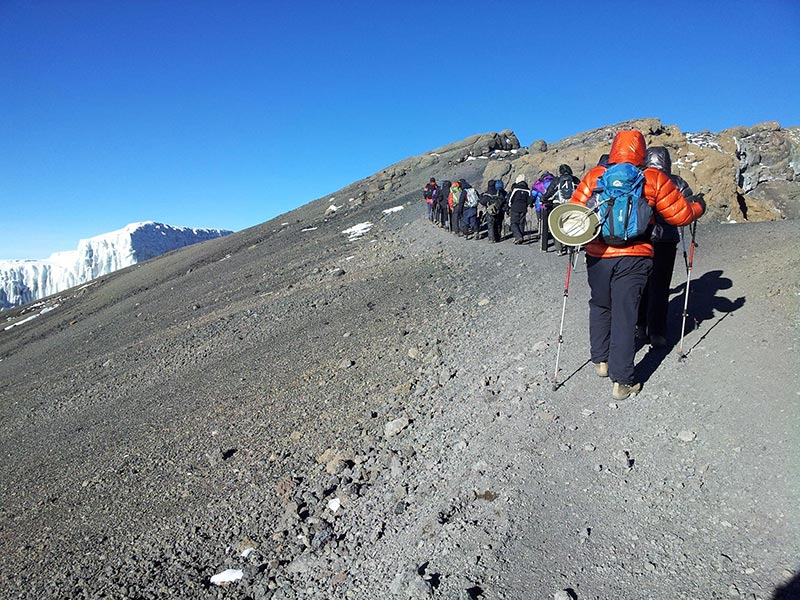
x=655, y=298
x=494, y=225
x=458, y=213
x=518, y=224
x=444, y=215
x=616, y=288
x=544, y=232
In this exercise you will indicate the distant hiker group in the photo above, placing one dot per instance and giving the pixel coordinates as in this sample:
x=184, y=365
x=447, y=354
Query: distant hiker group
x=457, y=207
x=637, y=206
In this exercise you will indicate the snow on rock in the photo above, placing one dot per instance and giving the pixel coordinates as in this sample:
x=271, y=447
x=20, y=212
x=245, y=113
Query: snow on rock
x=704, y=139
x=23, y=281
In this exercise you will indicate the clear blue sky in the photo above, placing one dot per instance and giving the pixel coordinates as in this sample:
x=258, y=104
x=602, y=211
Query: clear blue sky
x=226, y=114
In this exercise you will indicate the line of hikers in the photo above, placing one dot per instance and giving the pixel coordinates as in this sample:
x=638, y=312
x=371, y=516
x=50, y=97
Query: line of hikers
x=459, y=208
x=629, y=279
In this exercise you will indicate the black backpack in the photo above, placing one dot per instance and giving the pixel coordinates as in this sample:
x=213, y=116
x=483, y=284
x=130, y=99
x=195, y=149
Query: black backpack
x=566, y=187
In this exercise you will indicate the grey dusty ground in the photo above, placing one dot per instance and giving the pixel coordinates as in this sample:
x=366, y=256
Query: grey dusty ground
x=375, y=419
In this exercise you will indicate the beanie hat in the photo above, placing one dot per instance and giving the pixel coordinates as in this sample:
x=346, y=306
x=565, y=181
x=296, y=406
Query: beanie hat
x=498, y=185
x=520, y=178
x=433, y=180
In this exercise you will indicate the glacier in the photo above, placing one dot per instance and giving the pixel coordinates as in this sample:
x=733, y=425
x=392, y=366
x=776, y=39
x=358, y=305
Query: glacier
x=23, y=281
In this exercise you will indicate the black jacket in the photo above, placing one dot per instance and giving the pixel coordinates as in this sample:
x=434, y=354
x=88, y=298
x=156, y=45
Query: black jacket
x=520, y=197
x=444, y=192
x=658, y=157
x=565, y=181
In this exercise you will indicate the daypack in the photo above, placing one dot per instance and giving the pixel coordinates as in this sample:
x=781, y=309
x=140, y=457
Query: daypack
x=471, y=200
x=430, y=192
x=490, y=202
x=566, y=187
x=623, y=210
x=452, y=199
x=539, y=188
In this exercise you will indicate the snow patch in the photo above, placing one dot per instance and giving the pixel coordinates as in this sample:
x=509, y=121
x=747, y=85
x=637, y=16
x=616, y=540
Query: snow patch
x=310, y=229
x=44, y=311
x=394, y=209
x=227, y=576
x=357, y=231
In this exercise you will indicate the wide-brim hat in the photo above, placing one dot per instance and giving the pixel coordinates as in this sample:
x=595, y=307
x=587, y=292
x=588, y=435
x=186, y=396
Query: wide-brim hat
x=573, y=224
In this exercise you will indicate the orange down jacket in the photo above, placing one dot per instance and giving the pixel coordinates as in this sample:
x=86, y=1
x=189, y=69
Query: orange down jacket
x=661, y=193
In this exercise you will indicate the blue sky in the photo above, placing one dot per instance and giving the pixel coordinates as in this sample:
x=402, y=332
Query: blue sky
x=226, y=114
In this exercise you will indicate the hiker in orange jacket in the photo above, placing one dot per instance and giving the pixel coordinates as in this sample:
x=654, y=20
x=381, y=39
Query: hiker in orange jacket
x=618, y=274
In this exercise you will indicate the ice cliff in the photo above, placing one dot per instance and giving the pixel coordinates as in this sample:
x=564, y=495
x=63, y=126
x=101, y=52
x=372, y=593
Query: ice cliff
x=23, y=281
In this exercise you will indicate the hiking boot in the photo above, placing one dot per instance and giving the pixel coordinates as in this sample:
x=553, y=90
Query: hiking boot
x=601, y=369
x=623, y=390
x=659, y=341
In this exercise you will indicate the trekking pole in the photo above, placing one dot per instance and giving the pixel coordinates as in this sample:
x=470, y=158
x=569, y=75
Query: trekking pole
x=572, y=257
x=683, y=245
x=689, y=264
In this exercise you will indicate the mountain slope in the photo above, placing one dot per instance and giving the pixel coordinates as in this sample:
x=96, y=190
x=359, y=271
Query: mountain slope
x=23, y=281
x=375, y=418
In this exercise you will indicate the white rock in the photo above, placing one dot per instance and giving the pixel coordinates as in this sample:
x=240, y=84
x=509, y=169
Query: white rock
x=334, y=504
x=687, y=436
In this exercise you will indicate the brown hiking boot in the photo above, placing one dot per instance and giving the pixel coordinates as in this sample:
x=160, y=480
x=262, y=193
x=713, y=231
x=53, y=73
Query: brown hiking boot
x=623, y=390
x=601, y=369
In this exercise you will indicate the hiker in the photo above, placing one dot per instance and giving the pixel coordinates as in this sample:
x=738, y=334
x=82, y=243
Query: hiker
x=469, y=213
x=652, y=322
x=455, y=208
x=430, y=193
x=538, y=189
x=496, y=212
x=518, y=201
x=617, y=274
x=558, y=192
x=443, y=206
x=492, y=208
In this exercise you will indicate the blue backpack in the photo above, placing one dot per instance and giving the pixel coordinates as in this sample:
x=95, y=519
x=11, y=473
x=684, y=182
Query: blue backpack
x=623, y=210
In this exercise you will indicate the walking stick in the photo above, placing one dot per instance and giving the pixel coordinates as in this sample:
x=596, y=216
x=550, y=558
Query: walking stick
x=689, y=264
x=572, y=257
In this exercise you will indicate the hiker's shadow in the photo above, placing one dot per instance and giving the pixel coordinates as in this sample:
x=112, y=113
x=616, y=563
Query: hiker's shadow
x=704, y=305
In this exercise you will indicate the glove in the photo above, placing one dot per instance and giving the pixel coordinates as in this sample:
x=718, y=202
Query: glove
x=699, y=199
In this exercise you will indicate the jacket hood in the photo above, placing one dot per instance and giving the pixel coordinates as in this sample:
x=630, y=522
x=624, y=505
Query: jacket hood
x=564, y=170
x=464, y=184
x=628, y=146
x=490, y=186
x=658, y=157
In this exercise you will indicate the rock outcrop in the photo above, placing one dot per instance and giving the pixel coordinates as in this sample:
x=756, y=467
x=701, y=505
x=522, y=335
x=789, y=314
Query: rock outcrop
x=746, y=173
